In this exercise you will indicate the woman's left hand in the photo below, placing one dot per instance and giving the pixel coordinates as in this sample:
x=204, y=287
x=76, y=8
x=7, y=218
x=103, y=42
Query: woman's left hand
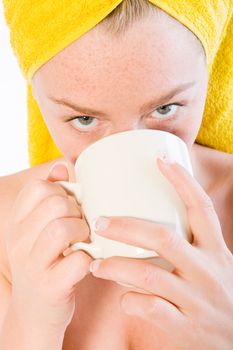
x=193, y=304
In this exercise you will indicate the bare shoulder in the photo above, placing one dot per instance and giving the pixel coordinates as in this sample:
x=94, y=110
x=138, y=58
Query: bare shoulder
x=10, y=186
x=215, y=174
x=216, y=165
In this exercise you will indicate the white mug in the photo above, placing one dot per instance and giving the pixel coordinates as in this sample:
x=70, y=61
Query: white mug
x=118, y=176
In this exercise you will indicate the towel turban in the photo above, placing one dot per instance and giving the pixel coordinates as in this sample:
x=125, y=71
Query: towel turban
x=41, y=29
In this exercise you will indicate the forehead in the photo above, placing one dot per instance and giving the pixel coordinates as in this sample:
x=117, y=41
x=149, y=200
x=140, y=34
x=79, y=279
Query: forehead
x=151, y=51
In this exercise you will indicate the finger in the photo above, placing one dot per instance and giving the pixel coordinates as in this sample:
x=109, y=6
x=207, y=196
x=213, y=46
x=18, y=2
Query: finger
x=51, y=208
x=71, y=269
x=146, y=276
x=32, y=195
x=37, y=190
x=156, y=310
x=57, y=236
x=202, y=217
x=152, y=236
x=58, y=171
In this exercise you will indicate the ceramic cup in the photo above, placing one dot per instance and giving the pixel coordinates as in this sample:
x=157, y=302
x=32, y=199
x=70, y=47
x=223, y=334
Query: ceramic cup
x=118, y=176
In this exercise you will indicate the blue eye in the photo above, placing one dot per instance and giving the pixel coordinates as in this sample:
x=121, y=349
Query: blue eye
x=87, y=123
x=166, y=110
x=84, y=122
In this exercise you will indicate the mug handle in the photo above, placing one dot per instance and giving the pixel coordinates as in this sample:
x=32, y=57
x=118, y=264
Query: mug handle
x=90, y=248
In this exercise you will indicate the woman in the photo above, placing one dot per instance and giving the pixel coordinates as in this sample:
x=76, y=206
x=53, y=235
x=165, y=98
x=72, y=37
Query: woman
x=146, y=71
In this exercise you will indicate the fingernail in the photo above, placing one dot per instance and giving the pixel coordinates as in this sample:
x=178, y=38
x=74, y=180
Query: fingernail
x=101, y=223
x=94, y=265
x=165, y=160
x=53, y=167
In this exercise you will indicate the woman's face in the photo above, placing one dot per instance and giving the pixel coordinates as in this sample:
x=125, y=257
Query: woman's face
x=151, y=77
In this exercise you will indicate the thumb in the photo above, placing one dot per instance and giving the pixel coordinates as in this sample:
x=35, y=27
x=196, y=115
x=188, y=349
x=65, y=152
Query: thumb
x=58, y=172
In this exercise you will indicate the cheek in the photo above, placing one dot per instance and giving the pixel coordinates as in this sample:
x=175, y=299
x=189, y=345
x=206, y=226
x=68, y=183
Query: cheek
x=188, y=129
x=69, y=146
x=70, y=143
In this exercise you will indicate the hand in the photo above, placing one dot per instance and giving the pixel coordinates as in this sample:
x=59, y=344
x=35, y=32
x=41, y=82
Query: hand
x=44, y=222
x=193, y=304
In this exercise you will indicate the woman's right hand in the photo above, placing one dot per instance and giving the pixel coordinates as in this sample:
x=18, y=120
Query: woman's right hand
x=45, y=220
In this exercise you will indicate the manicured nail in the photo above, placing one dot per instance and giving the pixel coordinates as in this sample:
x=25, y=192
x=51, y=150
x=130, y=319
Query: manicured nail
x=166, y=160
x=94, y=265
x=60, y=162
x=101, y=223
x=54, y=167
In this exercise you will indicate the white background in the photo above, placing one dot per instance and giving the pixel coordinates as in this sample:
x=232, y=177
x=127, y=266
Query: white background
x=13, y=107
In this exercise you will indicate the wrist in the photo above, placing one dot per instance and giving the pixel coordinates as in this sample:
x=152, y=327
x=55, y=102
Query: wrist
x=17, y=333
x=31, y=320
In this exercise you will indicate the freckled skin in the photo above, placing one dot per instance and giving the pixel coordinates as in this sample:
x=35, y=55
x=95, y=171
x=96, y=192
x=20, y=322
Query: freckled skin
x=118, y=75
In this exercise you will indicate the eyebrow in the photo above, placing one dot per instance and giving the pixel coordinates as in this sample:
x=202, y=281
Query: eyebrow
x=162, y=100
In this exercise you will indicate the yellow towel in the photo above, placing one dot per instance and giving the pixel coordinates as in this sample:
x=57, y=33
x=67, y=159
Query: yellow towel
x=40, y=29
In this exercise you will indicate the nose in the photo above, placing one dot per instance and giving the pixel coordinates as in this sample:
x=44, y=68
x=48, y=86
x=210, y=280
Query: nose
x=127, y=125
